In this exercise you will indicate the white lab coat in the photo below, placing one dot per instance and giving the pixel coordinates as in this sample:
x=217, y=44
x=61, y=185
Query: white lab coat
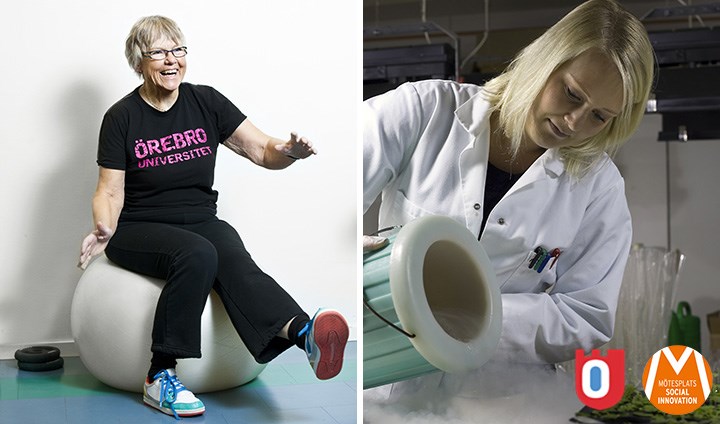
x=426, y=149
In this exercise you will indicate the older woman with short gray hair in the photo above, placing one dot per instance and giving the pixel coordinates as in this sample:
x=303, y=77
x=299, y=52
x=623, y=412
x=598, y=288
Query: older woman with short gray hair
x=154, y=211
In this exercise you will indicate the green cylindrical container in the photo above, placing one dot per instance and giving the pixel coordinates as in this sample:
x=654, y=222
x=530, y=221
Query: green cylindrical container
x=434, y=282
x=684, y=327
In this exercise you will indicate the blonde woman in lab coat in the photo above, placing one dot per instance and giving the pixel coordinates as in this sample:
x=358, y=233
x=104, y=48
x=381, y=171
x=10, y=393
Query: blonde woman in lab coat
x=524, y=163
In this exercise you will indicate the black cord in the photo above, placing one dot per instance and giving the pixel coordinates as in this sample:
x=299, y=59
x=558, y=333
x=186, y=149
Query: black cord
x=383, y=230
x=367, y=305
x=383, y=319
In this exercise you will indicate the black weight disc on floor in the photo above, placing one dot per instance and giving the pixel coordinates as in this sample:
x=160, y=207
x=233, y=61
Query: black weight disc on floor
x=37, y=354
x=45, y=366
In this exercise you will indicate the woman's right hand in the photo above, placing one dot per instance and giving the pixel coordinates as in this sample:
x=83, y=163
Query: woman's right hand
x=94, y=244
x=373, y=243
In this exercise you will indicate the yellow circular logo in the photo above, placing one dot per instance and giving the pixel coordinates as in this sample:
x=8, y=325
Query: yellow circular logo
x=677, y=380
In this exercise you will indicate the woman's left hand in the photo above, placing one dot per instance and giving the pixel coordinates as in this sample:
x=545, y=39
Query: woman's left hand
x=296, y=147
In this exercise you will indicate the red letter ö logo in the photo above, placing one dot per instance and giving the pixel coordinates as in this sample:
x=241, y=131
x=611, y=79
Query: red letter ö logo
x=600, y=380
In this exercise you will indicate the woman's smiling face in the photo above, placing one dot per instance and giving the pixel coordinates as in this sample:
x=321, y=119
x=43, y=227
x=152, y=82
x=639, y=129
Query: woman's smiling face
x=163, y=74
x=579, y=99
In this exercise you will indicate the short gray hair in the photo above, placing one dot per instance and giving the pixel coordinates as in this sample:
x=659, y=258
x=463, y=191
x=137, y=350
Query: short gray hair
x=146, y=31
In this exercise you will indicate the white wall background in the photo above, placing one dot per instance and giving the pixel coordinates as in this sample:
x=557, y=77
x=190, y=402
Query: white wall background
x=288, y=65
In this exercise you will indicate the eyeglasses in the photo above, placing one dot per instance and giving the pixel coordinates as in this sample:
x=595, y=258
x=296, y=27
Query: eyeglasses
x=160, y=54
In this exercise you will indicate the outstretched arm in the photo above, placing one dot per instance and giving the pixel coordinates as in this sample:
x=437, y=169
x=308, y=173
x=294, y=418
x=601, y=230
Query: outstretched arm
x=269, y=152
x=107, y=204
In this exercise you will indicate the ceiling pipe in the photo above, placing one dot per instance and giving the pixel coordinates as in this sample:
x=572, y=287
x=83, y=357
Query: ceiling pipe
x=484, y=37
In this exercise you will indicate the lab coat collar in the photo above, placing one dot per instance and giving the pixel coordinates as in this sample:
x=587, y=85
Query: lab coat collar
x=474, y=115
x=552, y=162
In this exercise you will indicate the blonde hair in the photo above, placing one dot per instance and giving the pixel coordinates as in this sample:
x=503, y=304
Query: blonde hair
x=146, y=31
x=596, y=24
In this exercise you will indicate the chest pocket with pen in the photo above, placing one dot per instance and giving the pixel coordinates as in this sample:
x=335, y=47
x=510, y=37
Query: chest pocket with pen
x=542, y=258
x=535, y=274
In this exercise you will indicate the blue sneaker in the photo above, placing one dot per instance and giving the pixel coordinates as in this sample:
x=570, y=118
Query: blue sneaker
x=325, y=339
x=168, y=394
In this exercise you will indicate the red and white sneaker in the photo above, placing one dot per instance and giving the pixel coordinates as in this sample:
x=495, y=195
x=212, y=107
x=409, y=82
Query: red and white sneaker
x=326, y=336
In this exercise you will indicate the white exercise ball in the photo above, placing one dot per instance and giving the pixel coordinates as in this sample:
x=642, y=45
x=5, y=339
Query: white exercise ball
x=112, y=317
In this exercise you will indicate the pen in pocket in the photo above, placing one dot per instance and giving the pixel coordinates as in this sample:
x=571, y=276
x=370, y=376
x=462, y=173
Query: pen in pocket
x=541, y=258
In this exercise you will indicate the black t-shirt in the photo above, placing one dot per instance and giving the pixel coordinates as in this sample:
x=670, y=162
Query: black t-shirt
x=497, y=183
x=168, y=157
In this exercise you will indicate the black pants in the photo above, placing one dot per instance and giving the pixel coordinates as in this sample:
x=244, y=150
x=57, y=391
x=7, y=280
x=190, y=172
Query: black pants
x=194, y=256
